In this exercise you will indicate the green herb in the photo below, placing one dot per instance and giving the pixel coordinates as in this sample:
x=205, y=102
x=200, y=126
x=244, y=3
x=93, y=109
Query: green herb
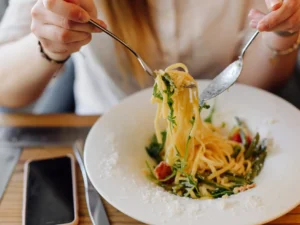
x=190, y=185
x=218, y=193
x=210, y=182
x=239, y=180
x=249, y=152
x=239, y=121
x=241, y=132
x=170, y=91
x=223, y=125
x=152, y=175
x=154, y=149
x=209, y=118
x=192, y=121
x=205, y=106
x=156, y=93
x=236, y=150
x=264, y=145
x=257, y=166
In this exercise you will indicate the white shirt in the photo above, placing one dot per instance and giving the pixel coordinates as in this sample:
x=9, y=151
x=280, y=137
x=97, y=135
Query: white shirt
x=211, y=34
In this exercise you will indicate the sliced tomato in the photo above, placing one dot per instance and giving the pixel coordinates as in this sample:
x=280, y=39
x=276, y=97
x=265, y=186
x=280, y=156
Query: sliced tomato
x=237, y=138
x=163, y=170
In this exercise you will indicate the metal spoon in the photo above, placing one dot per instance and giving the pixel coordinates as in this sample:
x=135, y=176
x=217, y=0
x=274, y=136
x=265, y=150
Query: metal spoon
x=227, y=77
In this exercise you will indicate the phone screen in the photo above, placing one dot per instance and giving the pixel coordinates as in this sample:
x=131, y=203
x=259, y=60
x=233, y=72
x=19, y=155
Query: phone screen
x=49, y=197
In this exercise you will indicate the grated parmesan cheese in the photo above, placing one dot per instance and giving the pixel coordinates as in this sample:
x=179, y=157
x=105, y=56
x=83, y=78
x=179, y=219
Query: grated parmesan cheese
x=253, y=202
x=109, y=160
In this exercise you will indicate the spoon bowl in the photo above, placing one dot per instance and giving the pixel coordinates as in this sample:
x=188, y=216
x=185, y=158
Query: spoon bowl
x=227, y=77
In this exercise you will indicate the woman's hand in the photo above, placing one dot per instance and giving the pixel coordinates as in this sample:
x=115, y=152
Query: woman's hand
x=284, y=16
x=61, y=25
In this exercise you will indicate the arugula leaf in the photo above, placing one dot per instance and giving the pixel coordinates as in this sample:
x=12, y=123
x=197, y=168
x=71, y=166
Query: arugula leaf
x=170, y=91
x=209, y=118
x=154, y=149
x=205, y=106
x=156, y=93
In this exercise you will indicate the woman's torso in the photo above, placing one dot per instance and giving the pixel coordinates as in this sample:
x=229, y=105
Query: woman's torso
x=204, y=35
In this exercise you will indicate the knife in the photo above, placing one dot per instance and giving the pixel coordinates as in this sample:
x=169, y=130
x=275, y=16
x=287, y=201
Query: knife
x=41, y=136
x=9, y=157
x=94, y=203
x=13, y=139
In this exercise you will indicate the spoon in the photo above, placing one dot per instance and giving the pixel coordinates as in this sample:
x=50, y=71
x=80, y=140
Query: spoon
x=227, y=77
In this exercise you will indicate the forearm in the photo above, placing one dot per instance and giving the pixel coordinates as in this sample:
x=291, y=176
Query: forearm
x=260, y=70
x=23, y=72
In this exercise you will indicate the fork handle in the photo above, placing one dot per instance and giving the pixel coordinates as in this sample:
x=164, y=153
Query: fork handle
x=96, y=24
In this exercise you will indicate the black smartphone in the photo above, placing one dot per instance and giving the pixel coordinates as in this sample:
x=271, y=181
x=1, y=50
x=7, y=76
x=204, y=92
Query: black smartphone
x=50, y=196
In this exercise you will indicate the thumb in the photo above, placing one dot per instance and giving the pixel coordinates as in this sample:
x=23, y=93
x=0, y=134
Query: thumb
x=274, y=4
x=76, y=2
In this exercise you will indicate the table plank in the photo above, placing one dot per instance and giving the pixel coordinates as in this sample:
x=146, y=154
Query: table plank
x=11, y=204
x=46, y=120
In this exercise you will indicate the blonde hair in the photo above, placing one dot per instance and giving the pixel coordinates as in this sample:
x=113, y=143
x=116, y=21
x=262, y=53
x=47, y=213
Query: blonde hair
x=132, y=21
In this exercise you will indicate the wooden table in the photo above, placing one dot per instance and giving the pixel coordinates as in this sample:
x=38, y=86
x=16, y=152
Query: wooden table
x=11, y=204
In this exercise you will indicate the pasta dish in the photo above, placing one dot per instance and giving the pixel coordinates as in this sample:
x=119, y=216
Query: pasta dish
x=193, y=157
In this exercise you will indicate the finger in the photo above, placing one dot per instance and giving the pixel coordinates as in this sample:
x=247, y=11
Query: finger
x=48, y=17
x=273, y=19
x=256, y=15
x=90, y=7
x=66, y=49
x=76, y=2
x=291, y=24
x=58, y=34
x=274, y=4
x=74, y=26
x=68, y=10
x=76, y=46
x=54, y=47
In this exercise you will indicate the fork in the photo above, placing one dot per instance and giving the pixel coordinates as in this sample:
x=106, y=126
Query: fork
x=141, y=61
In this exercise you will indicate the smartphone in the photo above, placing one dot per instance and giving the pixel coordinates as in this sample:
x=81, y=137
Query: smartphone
x=50, y=195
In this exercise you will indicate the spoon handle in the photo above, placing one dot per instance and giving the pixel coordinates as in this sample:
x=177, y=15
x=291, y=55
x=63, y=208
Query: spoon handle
x=249, y=43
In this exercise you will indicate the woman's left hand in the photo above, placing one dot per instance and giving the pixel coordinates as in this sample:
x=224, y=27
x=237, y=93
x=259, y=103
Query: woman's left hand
x=284, y=16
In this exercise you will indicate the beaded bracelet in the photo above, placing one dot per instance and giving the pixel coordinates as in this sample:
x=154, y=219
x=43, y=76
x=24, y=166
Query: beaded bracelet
x=286, y=51
x=44, y=55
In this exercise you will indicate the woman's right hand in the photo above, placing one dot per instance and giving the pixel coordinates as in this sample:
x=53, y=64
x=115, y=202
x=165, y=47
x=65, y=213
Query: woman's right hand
x=61, y=25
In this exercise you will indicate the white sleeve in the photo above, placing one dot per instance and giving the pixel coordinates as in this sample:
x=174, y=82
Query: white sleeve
x=16, y=21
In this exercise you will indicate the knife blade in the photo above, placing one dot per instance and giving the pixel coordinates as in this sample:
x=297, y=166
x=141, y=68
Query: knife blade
x=41, y=136
x=8, y=160
x=94, y=203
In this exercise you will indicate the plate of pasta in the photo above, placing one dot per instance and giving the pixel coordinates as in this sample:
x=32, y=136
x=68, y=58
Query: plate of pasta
x=161, y=158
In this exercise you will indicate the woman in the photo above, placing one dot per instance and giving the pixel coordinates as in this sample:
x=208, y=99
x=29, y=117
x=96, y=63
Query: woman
x=206, y=36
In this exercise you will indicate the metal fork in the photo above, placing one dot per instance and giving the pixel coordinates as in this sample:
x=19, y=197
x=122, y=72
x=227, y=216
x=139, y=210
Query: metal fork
x=141, y=61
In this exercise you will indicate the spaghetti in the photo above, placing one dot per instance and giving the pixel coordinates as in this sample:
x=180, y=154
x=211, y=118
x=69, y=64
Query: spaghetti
x=194, y=158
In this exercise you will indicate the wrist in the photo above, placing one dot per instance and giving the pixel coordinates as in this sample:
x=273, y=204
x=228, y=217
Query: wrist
x=53, y=57
x=279, y=42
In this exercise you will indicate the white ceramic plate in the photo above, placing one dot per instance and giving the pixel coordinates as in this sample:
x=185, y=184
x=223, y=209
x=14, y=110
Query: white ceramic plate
x=115, y=158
